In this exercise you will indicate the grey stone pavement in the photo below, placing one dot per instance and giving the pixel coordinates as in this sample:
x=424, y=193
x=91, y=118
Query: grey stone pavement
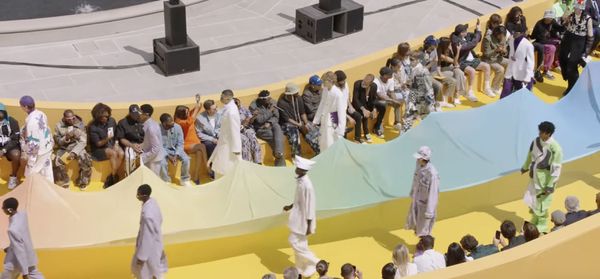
x=217, y=27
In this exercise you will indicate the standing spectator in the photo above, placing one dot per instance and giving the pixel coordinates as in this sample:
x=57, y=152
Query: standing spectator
x=9, y=144
x=311, y=96
x=430, y=259
x=386, y=92
x=349, y=271
x=463, y=43
x=576, y=43
x=192, y=144
x=592, y=8
x=470, y=244
x=495, y=48
x=153, y=155
x=208, y=126
x=149, y=259
x=558, y=218
x=265, y=119
x=449, y=66
x=424, y=194
x=515, y=18
x=20, y=256
x=293, y=120
x=546, y=35
x=519, y=73
x=544, y=164
x=388, y=271
x=597, y=205
x=71, y=138
x=574, y=214
x=251, y=150
x=364, y=101
x=102, y=141
x=36, y=140
x=172, y=140
x=455, y=255
x=331, y=114
x=404, y=267
x=229, y=145
x=444, y=84
x=530, y=231
x=420, y=101
x=509, y=232
x=130, y=133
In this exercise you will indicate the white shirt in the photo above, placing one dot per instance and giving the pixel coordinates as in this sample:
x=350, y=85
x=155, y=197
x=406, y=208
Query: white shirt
x=212, y=120
x=345, y=94
x=305, y=207
x=430, y=260
x=411, y=269
x=384, y=88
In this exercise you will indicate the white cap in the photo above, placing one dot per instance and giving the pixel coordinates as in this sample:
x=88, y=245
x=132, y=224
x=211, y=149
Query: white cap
x=423, y=153
x=572, y=203
x=303, y=163
x=549, y=14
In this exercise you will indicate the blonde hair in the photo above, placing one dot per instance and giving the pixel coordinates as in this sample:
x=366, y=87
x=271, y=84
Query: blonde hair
x=328, y=79
x=401, y=259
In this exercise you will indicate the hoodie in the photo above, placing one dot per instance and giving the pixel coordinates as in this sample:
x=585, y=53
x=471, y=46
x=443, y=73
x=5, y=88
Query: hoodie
x=9, y=131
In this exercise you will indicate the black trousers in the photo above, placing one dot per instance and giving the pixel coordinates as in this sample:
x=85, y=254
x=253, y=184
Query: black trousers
x=572, y=49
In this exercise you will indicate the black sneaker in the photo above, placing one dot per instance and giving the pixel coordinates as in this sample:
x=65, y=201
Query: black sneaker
x=379, y=134
x=108, y=182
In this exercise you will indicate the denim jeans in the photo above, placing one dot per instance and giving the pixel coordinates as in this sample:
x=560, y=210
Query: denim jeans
x=185, y=167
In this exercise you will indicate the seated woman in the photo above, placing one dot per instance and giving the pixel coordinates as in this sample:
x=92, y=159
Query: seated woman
x=463, y=43
x=250, y=148
x=456, y=255
x=495, y=48
x=102, y=141
x=420, y=101
x=546, y=35
x=515, y=18
x=449, y=66
x=192, y=145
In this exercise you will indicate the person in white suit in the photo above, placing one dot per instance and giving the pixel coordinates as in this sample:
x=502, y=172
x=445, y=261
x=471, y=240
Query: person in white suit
x=302, y=220
x=521, y=63
x=149, y=260
x=331, y=114
x=229, y=144
x=20, y=257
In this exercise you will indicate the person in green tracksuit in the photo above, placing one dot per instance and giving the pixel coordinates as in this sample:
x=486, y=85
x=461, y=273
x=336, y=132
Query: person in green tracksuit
x=543, y=163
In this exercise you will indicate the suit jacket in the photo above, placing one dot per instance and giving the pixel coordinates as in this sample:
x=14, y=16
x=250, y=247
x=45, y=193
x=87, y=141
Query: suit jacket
x=20, y=254
x=149, y=244
x=207, y=132
x=230, y=141
x=521, y=61
x=359, y=96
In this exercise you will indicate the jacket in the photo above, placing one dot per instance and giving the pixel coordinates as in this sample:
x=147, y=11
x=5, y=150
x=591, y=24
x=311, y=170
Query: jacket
x=543, y=33
x=76, y=145
x=206, y=132
x=9, y=131
x=521, y=61
x=467, y=45
x=359, y=96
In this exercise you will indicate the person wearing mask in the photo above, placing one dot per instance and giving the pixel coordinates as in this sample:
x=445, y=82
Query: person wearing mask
x=429, y=259
x=10, y=133
x=456, y=255
x=265, y=119
x=401, y=262
x=449, y=66
x=520, y=70
x=103, y=145
x=546, y=35
x=544, y=164
x=229, y=144
x=186, y=118
x=71, y=139
x=153, y=155
x=130, y=134
x=365, y=102
x=495, y=48
x=424, y=194
x=293, y=120
x=311, y=96
x=36, y=141
x=251, y=150
x=172, y=140
x=574, y=214
x=331, y=114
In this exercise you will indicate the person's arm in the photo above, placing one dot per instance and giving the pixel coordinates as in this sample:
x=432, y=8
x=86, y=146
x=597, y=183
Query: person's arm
x=488, y=51
x=341, y=111
x=310, y=207
x=527, y=163
x=81, y=140
x=472, y=41
x=530, y=62
x=356, y=102
x=148, y=232
x=589, y=43
x=556, y=164
x=60, y=139
x=234, y=133
x=382, y=92
x=180, y=141
x=320, y=108
x=19, y=250
x=432, y=200
x=155, y=144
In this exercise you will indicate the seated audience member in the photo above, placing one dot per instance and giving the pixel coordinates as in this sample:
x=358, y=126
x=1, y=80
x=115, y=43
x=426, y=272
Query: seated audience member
x=449, y=66
x=558, y=218
x=401, y=68
x=515, y=19
x=291, y=273
x=269, y=276
x=509, y=232
x=420, y=101
x=172, y=139
x=444, y=84
x=191, y=142
x=71, y=139
x=153, y=155
x=530, y=232
x=520, y=70
x=293, y=120
x=266, y=124
x=456, y=255
x=592, y=8
x=574, y=214
x=251, y=150
x=546, y=40
x=430, y=259
x=365, y=102
x=385, y=91
x=463, y=44
x=10, y=133
x=322, y=269
x=495, y=49
x=402, y=264
x=388, y=271
x=470, y=244
x=130, y=134
x=494, y=21
x=597, y=206
x=311, y=96
x=103, y=144
x=348, y=271
x=208, y=124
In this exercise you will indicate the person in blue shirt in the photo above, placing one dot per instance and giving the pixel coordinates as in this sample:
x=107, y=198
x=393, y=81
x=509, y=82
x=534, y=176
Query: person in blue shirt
x=172, y=138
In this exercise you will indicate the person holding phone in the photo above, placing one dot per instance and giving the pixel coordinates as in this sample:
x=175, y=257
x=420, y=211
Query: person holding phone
x=71, y=139
x=349, y=271
x=103, y=145
x=192, y=144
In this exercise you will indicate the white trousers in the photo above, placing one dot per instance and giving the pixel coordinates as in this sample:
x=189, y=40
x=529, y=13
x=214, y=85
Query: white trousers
x=14, y=274
x=42, y=165
x=306, y=261
x=142, y=271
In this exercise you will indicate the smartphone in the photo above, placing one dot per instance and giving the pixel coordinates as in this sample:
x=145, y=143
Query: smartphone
x=497, y=234
x=110, y=132
x=197, y=98
x=69, y=129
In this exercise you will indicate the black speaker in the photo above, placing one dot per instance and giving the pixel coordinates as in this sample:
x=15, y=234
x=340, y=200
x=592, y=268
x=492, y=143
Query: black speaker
x=313, y=25
x=330, y=5
x=176, y=60
x=175, y=24
x=354, y=16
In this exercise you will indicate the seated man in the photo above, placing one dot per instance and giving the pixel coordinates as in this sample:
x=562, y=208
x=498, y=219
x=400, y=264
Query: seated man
x=365, y=102
x=153, y=154
x=265, y=120
x=172, y=139
x=386, y=93
x=573, y=213
x=311, y=96
x=293, y=120
x=9, y=144
x=71, y=139
x=470, y=244
x=558, y=219
x=130, y=134
x=430, y=259
x=208, y=125
x=509, y=231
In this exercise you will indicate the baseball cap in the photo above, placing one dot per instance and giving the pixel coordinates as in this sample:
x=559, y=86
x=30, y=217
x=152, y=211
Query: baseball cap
x=291, y=89
x=423, y=153
x=549, y=14
x=315, y=80
x=134, y=109
x=461, y=28
x=430, y=41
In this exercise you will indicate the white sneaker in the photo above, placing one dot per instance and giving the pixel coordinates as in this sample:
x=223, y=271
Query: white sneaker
x=549, y=75
x=398, y=126
x=471, y=96
x=457, y=101
x=12, y=182
x=186, y=184
x=446, y=105
x=498, y=91
x=489, y=93
x=369, y=139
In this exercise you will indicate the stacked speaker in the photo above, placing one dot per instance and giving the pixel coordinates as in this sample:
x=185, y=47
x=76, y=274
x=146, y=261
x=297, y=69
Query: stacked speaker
x=328, y=20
